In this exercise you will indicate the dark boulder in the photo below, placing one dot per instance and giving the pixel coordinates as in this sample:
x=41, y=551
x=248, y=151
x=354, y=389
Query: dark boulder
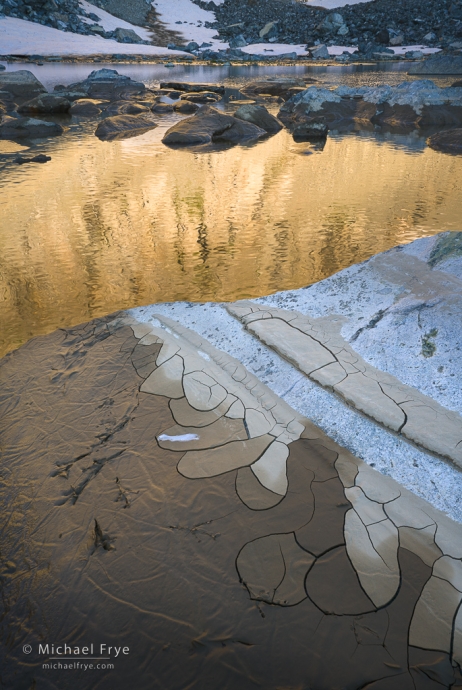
x=124, y=126
x=22, y=85
x=46, y=104
x=208, y=125
x=258, y=115
x=449, y=141
x=28, y=128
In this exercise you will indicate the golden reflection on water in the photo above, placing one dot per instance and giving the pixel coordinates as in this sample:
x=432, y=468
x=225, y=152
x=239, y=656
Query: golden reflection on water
x=107, y=226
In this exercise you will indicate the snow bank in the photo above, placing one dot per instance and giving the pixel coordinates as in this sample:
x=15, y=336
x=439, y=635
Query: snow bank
x=19, y=37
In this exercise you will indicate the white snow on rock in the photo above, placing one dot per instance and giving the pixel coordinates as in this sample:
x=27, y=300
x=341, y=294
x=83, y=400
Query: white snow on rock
x=192, y=19
x=19, y=37
x=111, y=23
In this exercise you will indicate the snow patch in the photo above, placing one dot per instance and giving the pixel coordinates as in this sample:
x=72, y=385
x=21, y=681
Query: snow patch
x=20, y=37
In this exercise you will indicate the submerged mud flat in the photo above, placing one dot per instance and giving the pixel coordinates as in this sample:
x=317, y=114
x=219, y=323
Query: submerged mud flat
x=109, y=225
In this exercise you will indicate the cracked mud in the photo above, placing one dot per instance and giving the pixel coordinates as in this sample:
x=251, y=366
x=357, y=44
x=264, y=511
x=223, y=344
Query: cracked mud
x=158, y=494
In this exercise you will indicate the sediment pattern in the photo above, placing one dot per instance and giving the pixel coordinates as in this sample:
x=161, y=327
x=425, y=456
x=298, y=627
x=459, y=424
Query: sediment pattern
x=150, y=480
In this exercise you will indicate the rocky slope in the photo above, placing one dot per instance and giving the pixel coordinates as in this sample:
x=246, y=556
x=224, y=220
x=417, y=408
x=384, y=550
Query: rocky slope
x=377, y=21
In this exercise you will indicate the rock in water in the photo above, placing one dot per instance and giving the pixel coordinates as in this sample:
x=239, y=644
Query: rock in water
x=439, y=64
x=125, y=108
x=124, y=126
x=310, y=130
x=449, y=141
x=41, y=158
x=209, y=125
x=86, y=107
x=186, y=108
x=28, y=128
x=162, y=108
x=258, y=115
x=48, y=104
x=191, y=88
x=23, y=85
x=107, y=83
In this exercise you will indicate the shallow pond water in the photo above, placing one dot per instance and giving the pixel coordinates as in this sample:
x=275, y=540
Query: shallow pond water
x=107, y=226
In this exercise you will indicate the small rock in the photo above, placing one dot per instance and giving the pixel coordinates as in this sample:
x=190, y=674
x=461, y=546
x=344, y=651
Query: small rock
x=124, y=126
x=238, y=42
x=414, y=54
x=320, y=52
x=127, y=36
x=397, y=40
x=86, y=107
x=125, y=108
x=2, y=67
x=185, y=108
x=332, y=24
x=428, y=38
x=449, y=141
x=40, y=158
x=202, y=97
x=259, y=116
x=191, y=47
x=310, y=130
x=162, y=108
